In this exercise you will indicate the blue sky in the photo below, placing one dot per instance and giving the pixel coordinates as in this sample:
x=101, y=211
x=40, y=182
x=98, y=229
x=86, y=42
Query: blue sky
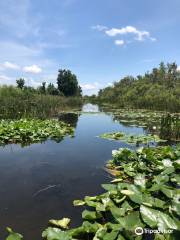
x=99, y=40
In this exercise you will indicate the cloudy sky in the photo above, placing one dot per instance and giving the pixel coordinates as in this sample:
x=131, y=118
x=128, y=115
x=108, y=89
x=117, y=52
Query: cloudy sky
x=99, y=40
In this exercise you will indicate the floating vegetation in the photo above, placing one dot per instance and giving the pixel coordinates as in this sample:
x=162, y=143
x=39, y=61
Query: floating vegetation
x=26, y=131
x=132, y=139
x=144, y=118
x=145, y=195
x=166, y=125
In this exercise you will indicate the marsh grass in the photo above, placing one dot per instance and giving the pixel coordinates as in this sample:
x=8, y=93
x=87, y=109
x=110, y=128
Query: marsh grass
x=16, y=104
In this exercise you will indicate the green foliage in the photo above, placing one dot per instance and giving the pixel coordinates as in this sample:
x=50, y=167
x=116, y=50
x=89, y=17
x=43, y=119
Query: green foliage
x=158, y=89
x=29, y=131
x=132, y=139
x=63, y=223
x=20, y=83
x=67, y=83
x=17, y=103
x=13, y=236
x=170, y=127
x=42, y=88
x=165, y=125
x=52, y=90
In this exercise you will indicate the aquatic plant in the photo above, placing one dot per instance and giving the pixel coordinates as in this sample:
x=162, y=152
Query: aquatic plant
x=165, y=125
x=132, y=139
x=27, y=131
x=144, y=197
x=170, y=127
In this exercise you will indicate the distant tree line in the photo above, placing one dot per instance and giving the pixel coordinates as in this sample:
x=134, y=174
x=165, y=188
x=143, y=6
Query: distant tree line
x=158, y=89
x=67, y=85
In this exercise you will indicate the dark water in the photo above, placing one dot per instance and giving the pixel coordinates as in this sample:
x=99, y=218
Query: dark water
x=40, y=182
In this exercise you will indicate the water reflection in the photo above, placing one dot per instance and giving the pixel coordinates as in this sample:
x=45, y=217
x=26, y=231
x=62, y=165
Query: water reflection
x=69, y=118
x=90, y=108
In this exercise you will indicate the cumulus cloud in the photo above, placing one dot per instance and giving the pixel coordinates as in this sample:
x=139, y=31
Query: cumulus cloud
x=178, y=68
x=32, y=69
x=89, y=86
x=139, y=35
x=94, y=87
x=10, y=65
x=119, y=42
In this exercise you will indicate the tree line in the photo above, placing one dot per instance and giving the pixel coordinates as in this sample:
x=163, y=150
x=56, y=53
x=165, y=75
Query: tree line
x=158, y=89
x=67, y=85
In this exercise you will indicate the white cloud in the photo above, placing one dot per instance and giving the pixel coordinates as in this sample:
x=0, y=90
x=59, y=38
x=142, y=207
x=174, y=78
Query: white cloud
x=119, y=42
x=89, y=86
x=139, y=35
x=93, y=88
x=10, y=65
x=128, y=30
x=32, y=69
x=99, y=27
x=178, y=68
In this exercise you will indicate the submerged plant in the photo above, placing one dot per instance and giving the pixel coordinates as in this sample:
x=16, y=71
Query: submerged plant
x=26, y=131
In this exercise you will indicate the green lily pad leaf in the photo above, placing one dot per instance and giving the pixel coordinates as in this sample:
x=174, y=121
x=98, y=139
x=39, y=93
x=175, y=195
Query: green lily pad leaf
x=120, y=237
x=117, y=212
x=78, y=203
x=13, y=235
x=127, y=192
x=55, y=234
x=130, y=221
x=140, y=180
x=90, y=215
x=91, y=227
x=109, y=187
x=170, y=193
x=155, y=218
x=63, y=223
x=100, y=233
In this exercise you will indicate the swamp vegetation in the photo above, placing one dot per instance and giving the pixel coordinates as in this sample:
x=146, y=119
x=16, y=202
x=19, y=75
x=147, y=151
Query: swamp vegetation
x=144, y=188
x=26, y=131
x=25, y=103
x=158, y=89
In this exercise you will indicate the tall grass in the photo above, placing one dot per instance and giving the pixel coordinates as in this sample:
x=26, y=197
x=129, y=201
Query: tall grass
x=16, y=103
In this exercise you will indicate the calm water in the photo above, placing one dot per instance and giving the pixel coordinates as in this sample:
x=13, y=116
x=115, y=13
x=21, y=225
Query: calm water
x=40, y=182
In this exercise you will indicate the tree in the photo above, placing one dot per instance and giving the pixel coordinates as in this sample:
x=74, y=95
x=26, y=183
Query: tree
x=20, y=83
x=42, y=88
x=52, y=90
x=67, y=83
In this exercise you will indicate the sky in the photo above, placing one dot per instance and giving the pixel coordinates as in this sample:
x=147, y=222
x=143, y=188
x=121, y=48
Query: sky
x=100, y=41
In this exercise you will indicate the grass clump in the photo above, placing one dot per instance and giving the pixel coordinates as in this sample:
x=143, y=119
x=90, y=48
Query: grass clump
x=27, y=131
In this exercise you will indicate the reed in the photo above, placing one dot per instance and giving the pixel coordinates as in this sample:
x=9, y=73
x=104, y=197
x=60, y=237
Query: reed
x=16, y=104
